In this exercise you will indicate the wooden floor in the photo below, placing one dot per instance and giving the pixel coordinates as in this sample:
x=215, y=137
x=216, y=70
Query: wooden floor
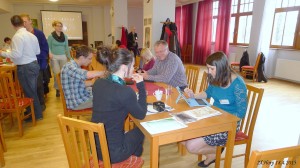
x=42, y=147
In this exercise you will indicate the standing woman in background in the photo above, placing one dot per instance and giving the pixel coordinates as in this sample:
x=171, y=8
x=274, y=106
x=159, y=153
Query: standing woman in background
x=59, y=50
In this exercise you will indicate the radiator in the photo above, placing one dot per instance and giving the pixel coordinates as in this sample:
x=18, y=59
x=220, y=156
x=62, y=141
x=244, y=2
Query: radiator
x=288, y=69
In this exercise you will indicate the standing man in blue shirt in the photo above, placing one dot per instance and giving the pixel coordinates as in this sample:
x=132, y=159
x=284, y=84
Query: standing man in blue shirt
x=42, y=58
x=24, y=48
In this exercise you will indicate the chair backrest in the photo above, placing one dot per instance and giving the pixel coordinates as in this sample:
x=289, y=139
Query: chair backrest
x=189, y=50
x=79, y=142
x=192, y=74
x=183, y=49
x=69, y=112
x=254, y=97
x=2, y=147
x=204, y=82
x=13, y=70
x=257, y=61
x=137, y=61
x=95, y=65
x=7, y=92
x=286, y=157
x=62, y=95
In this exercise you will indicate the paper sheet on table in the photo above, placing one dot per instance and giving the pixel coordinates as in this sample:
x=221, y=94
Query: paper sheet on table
x=162, y=125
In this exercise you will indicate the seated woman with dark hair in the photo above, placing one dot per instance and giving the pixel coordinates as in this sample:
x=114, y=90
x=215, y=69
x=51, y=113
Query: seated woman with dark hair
x=229, y=93
x=113, y=101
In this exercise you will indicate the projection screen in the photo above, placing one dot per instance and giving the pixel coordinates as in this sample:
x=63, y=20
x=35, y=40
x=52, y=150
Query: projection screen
x=72, y=23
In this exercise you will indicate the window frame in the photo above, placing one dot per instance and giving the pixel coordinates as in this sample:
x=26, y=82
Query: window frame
x=296, y=42
x=236, y=25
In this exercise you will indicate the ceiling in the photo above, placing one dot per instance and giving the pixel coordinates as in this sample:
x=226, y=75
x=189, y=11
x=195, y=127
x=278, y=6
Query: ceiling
x=136, y=3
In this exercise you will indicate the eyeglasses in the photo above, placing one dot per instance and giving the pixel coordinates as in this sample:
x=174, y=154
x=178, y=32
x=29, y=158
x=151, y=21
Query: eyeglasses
x=161, y=51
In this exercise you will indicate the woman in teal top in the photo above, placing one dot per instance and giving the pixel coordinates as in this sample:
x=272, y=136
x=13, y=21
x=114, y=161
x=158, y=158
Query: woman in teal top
x=59, y=50
x=229, y=93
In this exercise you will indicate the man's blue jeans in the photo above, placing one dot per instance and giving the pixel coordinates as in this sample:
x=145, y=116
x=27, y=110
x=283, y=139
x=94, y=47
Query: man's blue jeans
x=27, y=75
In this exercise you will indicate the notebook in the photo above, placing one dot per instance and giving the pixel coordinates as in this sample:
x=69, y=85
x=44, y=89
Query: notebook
x=192, y=102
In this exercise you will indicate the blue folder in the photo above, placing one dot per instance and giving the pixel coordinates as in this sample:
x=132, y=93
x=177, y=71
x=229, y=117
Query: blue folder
x=192, y=102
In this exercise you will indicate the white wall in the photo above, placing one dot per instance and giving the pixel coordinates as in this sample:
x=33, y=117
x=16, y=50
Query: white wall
x=161, y=11
x=135, y=18
x=120, y=18
x=107, y=26
x=93, y=15
x=5, y=6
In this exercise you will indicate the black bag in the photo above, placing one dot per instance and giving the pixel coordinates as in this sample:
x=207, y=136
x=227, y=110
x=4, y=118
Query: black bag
x=244, y=60
x=261, y=76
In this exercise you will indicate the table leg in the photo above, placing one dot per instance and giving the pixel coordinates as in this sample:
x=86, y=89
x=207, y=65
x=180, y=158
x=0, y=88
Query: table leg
x=230, y=145
x=154, y=153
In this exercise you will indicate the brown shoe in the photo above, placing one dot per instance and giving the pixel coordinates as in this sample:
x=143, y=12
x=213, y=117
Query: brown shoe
x=57, y=93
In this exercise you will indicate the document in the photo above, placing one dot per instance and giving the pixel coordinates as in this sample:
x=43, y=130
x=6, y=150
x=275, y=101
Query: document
x=195, y=114
x=162, y=125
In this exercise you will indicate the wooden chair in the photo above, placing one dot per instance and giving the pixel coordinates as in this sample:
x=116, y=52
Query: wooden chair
x=183, y=50
x=203, y=86
x=251, y=70
x=69, y=112
x=79, y=141
x=283, y=157
x=187, y=53
x=245, y=133
x=192, y=74
x=17, y=86
x=137, y=62
x=204, y=82
x=2, y=146
x=235, y=65
x=95, y=65
x=11, y=103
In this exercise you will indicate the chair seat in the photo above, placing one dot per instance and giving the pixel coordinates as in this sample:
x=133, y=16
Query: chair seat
x=22, y=102
x=240, y=136
x=78, y=111
x=248, y=67
x=131, y=162
x=235, y=63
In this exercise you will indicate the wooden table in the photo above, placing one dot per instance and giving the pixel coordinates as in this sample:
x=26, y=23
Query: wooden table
x=221, y=123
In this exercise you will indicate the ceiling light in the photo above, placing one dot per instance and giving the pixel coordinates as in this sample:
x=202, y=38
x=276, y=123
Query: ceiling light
x=53, y=0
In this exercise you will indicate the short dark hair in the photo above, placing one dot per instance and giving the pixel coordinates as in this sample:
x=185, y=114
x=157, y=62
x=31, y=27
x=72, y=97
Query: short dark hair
x=113, y=59
x=223, y=71
x=83, y=51
x=17, y=21
x=6, y=39
x=118, y=42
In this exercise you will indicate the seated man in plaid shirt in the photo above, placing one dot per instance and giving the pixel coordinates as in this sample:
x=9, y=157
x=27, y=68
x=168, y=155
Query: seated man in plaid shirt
x=77, y=90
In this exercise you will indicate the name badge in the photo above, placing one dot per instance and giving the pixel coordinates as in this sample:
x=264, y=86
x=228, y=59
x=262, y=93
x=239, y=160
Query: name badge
x=224, y=101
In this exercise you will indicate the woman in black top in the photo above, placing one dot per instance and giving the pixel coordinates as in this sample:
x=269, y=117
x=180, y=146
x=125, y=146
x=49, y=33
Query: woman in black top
x=113, y=101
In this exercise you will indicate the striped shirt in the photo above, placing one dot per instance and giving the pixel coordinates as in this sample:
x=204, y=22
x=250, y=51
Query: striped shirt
x=170, y=71
x=73, y=84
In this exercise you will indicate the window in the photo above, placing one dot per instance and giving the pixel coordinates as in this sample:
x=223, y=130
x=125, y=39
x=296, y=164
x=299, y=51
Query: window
x=286, y=26
x=241, y=20
x=215, y=18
